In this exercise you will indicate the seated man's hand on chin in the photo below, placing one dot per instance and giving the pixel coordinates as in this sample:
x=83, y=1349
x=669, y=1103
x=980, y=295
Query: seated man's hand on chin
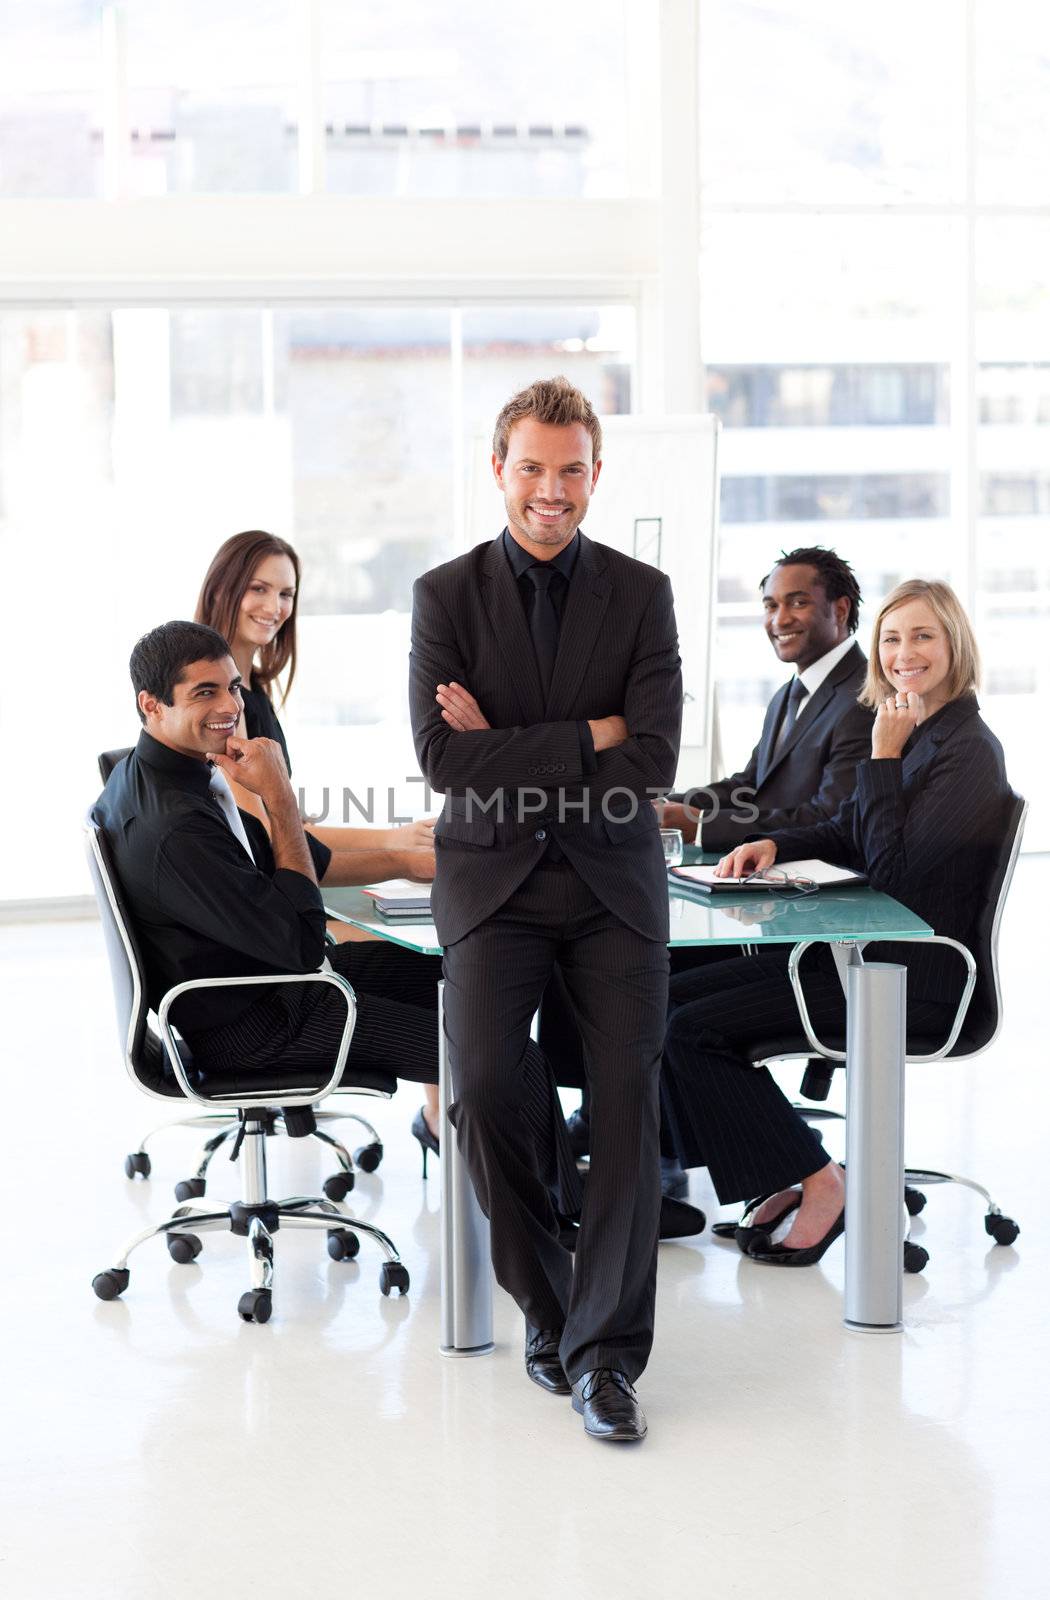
x=747, y=858
x=257, y=765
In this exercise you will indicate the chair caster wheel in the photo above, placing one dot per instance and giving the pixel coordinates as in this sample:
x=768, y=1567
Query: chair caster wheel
x=339, y=1185
x=368, y=1156
x=137, y=1163
x=342, y=1244
x=255, y=1305
x=109, y=1285
x=914, y=1200
x=915, y=1257
x=184, y=1248
x=190, y=1189
x=393, y=1275
x=1003, y=1230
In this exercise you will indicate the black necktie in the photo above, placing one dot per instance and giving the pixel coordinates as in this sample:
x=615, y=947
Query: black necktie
x=543, y=622
x=796, y=694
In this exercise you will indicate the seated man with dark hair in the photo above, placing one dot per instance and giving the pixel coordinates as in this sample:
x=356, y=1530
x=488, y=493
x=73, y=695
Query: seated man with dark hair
x=814, y=731
x=802, y=768
x=212, y=894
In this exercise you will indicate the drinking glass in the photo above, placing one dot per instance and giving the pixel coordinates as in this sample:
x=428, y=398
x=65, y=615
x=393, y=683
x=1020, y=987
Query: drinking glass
x=674, y=846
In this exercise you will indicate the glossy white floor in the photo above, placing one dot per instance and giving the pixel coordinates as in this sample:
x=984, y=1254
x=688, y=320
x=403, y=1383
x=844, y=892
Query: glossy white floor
x=158, y=1446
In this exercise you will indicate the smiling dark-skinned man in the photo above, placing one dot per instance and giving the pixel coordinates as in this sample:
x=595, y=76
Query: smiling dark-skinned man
x=814, y=732
x=802, y=768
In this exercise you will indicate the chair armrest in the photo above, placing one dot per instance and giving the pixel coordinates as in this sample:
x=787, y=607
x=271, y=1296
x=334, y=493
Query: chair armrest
x=264, y=1097
x=838, y=1055
x=818, y=1049
x=964, y=999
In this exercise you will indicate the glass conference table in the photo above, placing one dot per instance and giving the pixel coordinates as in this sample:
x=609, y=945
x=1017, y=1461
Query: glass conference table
x=844, y=918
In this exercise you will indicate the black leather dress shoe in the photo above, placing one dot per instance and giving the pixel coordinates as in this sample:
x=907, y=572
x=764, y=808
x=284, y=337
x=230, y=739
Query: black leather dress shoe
x=679, y=1220
x=542, y=1361
x=606, y=1400
x=579, y=1135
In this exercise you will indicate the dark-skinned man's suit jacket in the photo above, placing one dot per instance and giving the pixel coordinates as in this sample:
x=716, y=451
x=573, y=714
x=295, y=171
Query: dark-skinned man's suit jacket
x=808, y=778
x=617, y=655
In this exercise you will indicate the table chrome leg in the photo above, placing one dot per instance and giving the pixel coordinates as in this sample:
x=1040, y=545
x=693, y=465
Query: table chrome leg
x=466, y=1270
x=875, y=1043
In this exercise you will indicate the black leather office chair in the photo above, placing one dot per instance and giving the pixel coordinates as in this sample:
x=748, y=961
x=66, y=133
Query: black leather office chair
x=977, y=1023
x=137, y=1164
x=262, y=1102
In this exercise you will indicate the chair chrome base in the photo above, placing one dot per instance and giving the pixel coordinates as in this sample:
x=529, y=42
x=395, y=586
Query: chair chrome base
x=258, y=1217
x=366, y=1157
x=1002, y=1229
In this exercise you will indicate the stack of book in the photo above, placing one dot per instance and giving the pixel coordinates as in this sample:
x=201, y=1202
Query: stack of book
x=402, y=898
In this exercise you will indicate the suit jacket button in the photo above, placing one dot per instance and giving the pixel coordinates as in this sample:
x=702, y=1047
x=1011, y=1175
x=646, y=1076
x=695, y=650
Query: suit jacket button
x=541, y=834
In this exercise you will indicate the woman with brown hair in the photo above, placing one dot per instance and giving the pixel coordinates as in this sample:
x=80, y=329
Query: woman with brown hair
x=250, y=595
x=922, y=825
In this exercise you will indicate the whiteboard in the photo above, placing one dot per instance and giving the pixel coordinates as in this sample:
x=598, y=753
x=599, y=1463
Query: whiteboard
x=656, y=499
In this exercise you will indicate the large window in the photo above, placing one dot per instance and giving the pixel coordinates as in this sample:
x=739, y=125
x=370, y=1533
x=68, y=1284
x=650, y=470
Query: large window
x=278, y=265
x=833, y=379
x=432, y=100
x=50, y=99
x=133, y=441
x=876, y=334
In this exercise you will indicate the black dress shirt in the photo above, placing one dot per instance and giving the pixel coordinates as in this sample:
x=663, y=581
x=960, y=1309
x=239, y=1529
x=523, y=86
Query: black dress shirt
x=201, y=908
x=564, y=563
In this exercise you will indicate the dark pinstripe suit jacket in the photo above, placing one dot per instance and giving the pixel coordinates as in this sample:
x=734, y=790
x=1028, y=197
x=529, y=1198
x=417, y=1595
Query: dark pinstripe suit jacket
x=617, y=655
x=924, y=829
x=809, y=777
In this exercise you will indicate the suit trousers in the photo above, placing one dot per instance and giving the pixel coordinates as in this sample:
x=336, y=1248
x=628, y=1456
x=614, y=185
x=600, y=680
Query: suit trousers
x=617, y=983
x=727, y=1114
x=560, y=1040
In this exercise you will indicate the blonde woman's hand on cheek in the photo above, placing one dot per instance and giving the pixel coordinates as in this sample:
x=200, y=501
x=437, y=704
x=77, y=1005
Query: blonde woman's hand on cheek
x=895, y=722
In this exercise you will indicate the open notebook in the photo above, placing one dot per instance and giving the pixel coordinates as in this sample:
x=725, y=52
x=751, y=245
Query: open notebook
x=817, y=872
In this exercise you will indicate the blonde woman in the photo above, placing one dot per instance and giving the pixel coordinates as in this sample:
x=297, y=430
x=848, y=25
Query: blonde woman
x=924, y=820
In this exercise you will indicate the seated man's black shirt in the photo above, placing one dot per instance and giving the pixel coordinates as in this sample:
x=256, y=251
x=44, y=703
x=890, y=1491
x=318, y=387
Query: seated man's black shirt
x=200, y=907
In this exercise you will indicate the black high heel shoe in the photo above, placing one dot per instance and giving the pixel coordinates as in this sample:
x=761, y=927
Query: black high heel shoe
x=744, y=1232
x=427, y=1141
x=781, y=1255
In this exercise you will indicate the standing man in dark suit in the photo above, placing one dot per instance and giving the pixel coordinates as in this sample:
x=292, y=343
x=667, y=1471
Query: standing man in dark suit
x=546, y=700
x=799, y=773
